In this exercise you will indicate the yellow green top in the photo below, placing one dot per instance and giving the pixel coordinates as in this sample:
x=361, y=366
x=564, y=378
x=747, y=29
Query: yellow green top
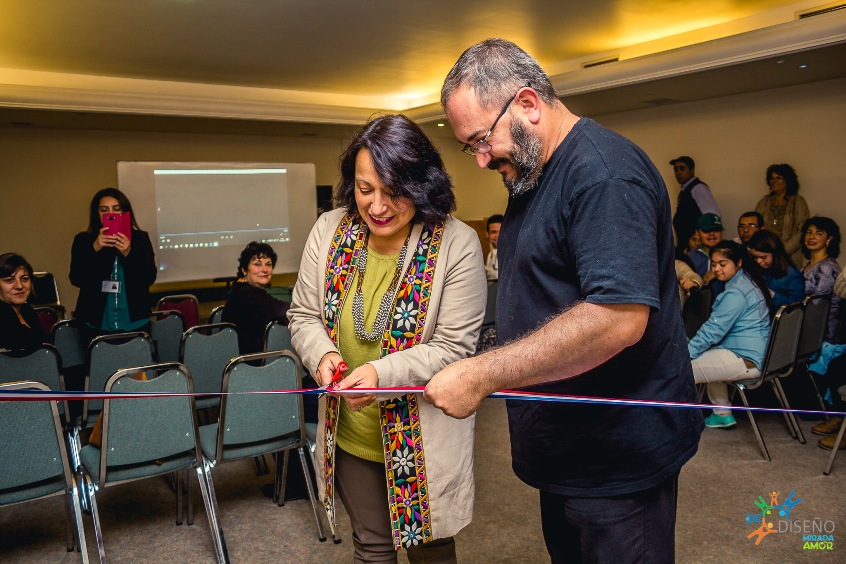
x=359, y=432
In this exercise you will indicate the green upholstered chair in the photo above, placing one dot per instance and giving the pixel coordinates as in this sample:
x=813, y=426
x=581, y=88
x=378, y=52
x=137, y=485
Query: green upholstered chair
x=35, y=462
x=148, y=437
x=205, y=351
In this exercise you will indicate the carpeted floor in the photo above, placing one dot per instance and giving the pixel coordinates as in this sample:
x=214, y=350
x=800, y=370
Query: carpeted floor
x=717, y=490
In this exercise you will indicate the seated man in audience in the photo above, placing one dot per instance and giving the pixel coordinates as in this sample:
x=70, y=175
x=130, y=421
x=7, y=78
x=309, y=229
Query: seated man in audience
x=747, y=225
x=709, y=228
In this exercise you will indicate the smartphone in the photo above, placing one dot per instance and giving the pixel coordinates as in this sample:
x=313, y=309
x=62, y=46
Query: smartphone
x=120, y=222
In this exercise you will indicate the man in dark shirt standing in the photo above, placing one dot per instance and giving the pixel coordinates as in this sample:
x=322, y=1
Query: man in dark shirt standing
x=588, y=305
x=695, y=199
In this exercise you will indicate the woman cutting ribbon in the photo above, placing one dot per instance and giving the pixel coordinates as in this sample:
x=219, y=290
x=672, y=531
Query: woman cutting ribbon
x=416, y=280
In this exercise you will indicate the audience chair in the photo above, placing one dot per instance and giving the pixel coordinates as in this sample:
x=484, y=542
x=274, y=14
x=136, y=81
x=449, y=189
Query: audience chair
x=39, y=365
x=205, y=351
x=67, y=338
x=45, y=292
x=814, y=325
x=47, y=318
x=35, y=461
x=779, y=359
x=842, y=391
x=277, y=337
x=166, y=328
x=186, y=304
x=697, y=310
x=216, y=315
x=167, y=441
x=106, y=355
x=254, y=424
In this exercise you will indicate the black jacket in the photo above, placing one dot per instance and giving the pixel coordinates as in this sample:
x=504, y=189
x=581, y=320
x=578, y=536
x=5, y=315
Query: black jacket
x=251, y=309
x=15, y=335
x=89, y=268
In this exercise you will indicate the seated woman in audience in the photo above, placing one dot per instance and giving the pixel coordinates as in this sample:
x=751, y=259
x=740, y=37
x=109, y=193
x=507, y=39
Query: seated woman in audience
x=731, y=344
x=821, y=246
x=784, y=210
x=786, y=283
x=249, y=306
x=112, y=271
x=19, y=325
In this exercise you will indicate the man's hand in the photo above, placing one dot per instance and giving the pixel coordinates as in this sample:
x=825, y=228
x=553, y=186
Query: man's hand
x=453, y=391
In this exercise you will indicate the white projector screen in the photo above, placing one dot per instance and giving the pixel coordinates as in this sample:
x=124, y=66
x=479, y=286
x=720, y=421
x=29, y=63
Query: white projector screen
x=200, y=215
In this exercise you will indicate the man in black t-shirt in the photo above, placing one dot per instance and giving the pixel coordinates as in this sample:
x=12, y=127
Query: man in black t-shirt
x=588, y=305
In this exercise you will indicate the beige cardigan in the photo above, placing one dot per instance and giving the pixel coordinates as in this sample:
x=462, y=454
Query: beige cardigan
x=456, y=310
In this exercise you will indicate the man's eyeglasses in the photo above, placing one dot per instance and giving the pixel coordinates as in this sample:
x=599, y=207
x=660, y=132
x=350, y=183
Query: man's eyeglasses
x=482, y=146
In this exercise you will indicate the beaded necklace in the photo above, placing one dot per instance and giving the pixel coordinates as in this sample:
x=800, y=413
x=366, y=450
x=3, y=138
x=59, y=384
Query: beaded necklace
x=385, y=305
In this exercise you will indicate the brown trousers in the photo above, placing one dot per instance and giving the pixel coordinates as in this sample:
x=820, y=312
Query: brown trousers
x=362, y=487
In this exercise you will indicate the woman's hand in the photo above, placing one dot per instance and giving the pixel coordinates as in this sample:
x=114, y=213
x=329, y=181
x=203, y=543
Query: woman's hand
x=709, y=276
x=326, y=368
x=104, y=240
x=122, y=244
x=364, y=376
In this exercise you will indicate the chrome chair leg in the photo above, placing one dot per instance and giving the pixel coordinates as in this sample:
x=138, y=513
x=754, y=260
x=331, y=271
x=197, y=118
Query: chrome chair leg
x=312, y=499
x=835, y=448
x=95, y=516
x=77, y=515
x=755, y=428
x=791, y=416
x=210, y=502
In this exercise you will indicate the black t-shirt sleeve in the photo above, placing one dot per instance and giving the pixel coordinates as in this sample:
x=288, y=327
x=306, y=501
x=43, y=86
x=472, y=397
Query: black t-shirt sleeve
x=612, y=235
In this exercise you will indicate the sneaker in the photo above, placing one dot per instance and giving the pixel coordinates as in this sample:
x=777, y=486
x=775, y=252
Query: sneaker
x=827, y=427
x=828, y=442
x=720, y=421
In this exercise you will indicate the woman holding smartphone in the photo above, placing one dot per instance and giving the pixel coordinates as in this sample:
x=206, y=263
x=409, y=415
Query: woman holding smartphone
x=113, y=271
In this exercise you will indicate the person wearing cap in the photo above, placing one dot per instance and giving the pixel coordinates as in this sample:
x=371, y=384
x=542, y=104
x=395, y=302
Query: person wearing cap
x=709, y=227
x=695, y=198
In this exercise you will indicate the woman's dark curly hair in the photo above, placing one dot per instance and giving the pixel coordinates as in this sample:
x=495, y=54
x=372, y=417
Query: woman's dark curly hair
x=831, y=229
x=790, y=178
x=407, y=164
x=254, y=249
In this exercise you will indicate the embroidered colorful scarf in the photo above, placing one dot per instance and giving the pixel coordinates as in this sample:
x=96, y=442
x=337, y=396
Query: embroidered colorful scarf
x=408, y=495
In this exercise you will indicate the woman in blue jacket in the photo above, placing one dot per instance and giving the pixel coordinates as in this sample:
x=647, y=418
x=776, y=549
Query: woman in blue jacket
x=786, y=283
x=731, y=344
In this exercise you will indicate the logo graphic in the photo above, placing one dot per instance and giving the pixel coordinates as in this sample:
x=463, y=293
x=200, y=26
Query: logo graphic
x=774, y=517
x=767, y=518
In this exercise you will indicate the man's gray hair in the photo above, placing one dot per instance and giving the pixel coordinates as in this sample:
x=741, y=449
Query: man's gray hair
x=496, y=69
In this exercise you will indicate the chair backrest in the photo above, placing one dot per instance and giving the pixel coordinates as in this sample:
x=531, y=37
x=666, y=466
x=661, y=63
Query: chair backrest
x=216, y=315
x=67, y=338
x=490, y=307
x=783, y=341
x=697, y=310
x=814, y=325
x=186, y=304
x=109, y=353
x=250, y=418
x=166, y=329
x=39, y=365
x=34, y=463
x=205, y=351
x=47, y=318
x=277, y=337
x=138, y=431
x=45, y=291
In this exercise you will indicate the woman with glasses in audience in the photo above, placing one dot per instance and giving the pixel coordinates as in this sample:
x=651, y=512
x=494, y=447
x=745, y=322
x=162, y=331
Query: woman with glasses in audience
x=19, y=324
x=786, y=283
x=394, y=287
x=113, y=270
x=821, y=247
x=784, y=210
x=730, y=346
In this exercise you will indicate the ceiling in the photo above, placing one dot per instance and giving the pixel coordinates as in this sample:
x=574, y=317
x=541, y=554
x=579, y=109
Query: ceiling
x=319, y=67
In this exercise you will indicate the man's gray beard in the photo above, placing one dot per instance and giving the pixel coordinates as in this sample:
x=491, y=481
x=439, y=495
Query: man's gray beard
x=526, y=159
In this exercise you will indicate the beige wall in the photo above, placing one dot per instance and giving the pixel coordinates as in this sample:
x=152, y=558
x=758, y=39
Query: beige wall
x=48, y=176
